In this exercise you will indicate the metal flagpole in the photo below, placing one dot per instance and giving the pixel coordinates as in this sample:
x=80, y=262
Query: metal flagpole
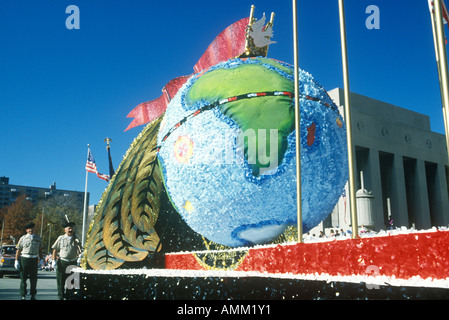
x=297, y=123
x=85, y=203
x=437, y=57
x=3, y=227
x=352, y=191
x=442, y=64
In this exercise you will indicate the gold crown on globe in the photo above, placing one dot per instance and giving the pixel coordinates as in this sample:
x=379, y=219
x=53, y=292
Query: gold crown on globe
x=258, y=36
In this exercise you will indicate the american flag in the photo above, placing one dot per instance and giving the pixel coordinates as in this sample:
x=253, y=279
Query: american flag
x=445, y=12
x=92, y=167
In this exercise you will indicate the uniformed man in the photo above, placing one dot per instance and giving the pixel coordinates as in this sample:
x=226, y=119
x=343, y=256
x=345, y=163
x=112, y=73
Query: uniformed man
x=68, y=247
x=28, y=255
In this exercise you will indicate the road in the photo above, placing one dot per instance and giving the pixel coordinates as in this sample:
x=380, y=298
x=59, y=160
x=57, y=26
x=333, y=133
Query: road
x=46, y=287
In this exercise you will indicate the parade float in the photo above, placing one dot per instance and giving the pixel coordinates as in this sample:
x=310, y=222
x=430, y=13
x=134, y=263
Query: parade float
x=203, y=205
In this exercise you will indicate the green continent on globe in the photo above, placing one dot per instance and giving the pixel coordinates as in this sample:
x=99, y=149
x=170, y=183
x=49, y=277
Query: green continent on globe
x=256, y=116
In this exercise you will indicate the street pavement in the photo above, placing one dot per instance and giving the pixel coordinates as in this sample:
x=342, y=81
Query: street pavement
x=46, y=287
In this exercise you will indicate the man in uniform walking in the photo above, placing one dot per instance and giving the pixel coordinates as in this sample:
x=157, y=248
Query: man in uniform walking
x=68, y=247
x=28, y=254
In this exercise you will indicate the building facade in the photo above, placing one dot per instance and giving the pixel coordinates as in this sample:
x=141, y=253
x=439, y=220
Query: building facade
x=401, y=167
x=10, y=192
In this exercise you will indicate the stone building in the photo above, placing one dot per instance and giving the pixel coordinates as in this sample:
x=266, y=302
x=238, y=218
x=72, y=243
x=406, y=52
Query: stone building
x=401, y=164
x=10, y=192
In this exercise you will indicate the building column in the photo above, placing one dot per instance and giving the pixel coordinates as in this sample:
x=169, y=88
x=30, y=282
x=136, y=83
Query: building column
x=422, y=218
x=441, y=211
x=398, y=202
x=376, y=185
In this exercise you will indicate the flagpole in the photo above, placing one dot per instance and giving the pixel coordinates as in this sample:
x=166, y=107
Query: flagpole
x=442, y=65
x=85, y=203
x=352, y=191
x=297, y=124
x=437, y=57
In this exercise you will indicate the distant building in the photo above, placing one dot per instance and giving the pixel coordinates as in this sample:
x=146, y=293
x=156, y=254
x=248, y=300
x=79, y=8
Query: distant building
x=9, y=193
x=90, y=214
x=403, y=165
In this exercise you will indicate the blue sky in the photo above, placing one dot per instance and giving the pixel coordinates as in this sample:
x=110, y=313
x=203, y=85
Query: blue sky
x=62, y=89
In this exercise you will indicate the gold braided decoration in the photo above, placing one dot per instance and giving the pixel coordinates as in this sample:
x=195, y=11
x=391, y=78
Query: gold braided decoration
x=219, y=257
x=123, y=226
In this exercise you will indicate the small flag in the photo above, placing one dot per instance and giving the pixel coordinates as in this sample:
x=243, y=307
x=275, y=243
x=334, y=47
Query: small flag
x=111, y=167
x=92, y=167
x=445, y=12
x=108, y=148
